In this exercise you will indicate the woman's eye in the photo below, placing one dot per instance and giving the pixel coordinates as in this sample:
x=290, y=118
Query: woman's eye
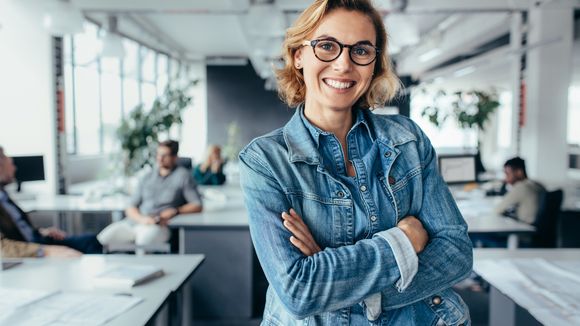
x=326, y=46
x=360, y=51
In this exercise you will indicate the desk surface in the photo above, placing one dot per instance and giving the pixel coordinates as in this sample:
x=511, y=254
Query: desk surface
x=73, y=203
x=223, y=206
x=538, y=294
x=480, y=216
x=76, y=275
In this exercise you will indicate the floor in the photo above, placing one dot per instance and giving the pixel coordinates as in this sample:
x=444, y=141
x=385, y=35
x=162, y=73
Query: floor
x=478, y=305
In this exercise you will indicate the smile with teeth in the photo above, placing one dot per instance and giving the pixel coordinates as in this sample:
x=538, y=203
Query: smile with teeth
x=338, y=84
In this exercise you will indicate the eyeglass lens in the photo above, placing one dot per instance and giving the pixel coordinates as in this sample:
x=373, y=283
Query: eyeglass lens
x=328, y=50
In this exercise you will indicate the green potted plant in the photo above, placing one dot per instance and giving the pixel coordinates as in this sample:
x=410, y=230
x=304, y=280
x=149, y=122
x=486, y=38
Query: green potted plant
x=470, y=109
x=139, y=133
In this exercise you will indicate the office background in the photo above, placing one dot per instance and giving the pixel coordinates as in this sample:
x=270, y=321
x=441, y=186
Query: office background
x=215, y=47
x=527, y=51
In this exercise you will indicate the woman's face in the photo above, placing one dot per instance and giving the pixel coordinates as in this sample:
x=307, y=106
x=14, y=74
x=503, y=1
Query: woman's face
x=338, y=84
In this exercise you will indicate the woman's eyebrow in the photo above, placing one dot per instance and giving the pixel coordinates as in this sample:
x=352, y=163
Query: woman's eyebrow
x=328, y=37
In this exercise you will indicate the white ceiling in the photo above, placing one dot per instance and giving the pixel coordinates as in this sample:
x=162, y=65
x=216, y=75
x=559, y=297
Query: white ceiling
x=213, y=30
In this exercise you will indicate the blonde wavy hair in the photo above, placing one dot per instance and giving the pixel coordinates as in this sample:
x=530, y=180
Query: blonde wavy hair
x=291, y=87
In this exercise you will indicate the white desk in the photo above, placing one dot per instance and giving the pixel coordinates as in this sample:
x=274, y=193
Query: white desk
x=74, y=206
x=508, y=304
x=72, y=203
x=480, y=217
x=76, y=274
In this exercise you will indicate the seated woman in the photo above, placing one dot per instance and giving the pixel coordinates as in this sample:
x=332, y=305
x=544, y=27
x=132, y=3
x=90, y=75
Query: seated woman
x=210, y=172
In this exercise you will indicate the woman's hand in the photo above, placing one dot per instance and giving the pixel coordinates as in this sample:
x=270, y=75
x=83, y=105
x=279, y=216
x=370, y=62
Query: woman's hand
x=414, y=230
x=301, y=237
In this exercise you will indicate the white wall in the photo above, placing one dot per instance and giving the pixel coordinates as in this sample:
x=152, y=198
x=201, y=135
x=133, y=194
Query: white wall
x=26, y=91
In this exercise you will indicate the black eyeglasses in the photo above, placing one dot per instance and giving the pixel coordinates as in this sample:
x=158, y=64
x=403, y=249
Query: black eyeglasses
x=362, y=54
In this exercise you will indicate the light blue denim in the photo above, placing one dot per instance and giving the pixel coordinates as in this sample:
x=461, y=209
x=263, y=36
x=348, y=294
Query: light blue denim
x=285, y=169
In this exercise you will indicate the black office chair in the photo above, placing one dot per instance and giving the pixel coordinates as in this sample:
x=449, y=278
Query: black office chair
x=546, y=223
x=185, y=162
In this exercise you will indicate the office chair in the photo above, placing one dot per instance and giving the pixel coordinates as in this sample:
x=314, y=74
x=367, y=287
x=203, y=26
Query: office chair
x=185, y=162
x=546, y=223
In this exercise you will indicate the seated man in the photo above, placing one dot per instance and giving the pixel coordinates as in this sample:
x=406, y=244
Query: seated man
x=522, y=200
x=15, y=224
x=166, y=191
x=210, y=172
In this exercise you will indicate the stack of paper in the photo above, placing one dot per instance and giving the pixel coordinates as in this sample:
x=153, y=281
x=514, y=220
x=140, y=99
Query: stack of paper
x=126, y=276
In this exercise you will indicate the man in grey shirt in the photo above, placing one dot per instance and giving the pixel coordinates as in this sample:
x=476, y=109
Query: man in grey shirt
x=524, y=196
x=163, y=193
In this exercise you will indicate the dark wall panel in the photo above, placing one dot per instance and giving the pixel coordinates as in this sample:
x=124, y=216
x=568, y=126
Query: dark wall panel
x=236, y=93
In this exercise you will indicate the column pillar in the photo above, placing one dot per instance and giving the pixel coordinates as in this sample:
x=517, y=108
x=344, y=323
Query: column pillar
x=548, y=74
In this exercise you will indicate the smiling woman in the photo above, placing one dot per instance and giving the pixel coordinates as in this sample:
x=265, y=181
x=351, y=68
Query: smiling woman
x=349, y=217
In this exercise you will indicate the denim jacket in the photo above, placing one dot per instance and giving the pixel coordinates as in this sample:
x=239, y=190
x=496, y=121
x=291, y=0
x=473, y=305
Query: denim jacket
x=284, y=169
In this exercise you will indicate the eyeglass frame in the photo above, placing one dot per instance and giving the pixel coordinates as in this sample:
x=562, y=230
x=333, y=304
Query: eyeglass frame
x=313, y=43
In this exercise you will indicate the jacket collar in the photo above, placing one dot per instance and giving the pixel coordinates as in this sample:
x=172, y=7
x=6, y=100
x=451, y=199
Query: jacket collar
x=302, y=139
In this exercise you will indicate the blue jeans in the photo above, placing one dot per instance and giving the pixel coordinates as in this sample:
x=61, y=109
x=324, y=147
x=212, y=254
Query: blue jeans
x=85, y=243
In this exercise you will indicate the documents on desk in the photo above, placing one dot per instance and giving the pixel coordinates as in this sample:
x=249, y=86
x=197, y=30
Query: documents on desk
x=127, y=276
x=550, y=291
x=61, y=308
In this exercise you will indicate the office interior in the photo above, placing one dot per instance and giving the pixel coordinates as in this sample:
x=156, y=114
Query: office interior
x=72, y=71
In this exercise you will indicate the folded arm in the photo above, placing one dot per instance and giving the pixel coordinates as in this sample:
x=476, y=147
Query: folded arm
x=328, y=280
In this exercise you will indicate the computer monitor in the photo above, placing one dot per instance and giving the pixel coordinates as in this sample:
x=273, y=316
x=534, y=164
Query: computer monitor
x=28, y=168
x=458, y=168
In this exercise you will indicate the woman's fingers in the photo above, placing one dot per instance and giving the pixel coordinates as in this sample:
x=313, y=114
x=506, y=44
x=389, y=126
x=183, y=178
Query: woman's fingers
x=297, y=232
x=297, y=220
x=301, y=233
x=298, y=228
x=305, y=230
x=301, y=246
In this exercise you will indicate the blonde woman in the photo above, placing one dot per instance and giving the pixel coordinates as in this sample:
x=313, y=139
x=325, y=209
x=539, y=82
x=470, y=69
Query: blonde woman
x=349, y=217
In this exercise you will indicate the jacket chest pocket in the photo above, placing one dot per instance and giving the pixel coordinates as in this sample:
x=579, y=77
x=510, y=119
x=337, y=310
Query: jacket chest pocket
x=327, y=218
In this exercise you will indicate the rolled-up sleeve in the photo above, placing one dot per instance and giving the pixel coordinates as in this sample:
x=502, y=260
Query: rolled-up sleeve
x=405, y=255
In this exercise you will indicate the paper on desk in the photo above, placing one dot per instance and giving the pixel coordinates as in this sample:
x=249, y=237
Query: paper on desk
x=71, y=309
x=549, y=290
x=11, y=299
x=475, y=208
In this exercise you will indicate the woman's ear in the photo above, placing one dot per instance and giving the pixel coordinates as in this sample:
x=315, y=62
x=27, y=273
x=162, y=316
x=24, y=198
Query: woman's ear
x=298, y=59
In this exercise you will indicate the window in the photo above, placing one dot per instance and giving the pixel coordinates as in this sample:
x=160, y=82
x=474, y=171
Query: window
x=504, y=122
x=100, y=92
x=449, y=136
x=87, y=103
x=111, y=106
x=162, y=73
x=574, y=115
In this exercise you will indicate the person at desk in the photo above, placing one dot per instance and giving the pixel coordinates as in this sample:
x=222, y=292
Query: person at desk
x=350, y=219
x=168, y=190
x=210, y=172
x=522, y=200
x=22, y=238
x=20, y=249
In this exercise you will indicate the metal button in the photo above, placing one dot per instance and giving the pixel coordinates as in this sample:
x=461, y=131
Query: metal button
x=373, y=218
x=436, y=300
x=340, y=194
x=363, y=188
x=391, y=180
x=387, y=154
